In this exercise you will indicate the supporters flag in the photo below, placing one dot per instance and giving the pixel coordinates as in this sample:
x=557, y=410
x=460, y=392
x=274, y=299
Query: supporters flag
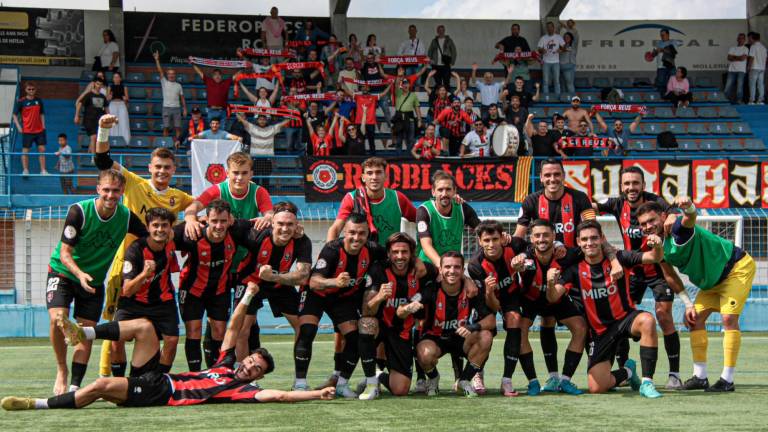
x=209, y=162
x=404, y=60
x=485, y=179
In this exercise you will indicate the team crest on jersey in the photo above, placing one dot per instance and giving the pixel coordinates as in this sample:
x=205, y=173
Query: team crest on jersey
x=287, y=257
x=204, y=253
x=413, y=283
x=341, y=264
x=229, y=247
x=542, y=210
x=364, y=263
x=463, y=303
x=440, y=305
x=263, y=253
x=324, y=176
x=567, y=208
x=172, y=201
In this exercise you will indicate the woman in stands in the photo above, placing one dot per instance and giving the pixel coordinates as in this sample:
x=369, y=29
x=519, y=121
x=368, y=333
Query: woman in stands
x=679, y=89
x=109, y=55
x=568, y=61
x=371, y=47
x=117, y=95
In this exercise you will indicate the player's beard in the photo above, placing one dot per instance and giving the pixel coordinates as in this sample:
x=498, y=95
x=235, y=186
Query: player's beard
x=633, y=201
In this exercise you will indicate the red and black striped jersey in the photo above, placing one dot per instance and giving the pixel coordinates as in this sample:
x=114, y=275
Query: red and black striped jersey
x=334, y=260
x=565, y=213
x=406, y=289
x=215, y=385
x=605, y=301
x=265, y=252
x=207, y=267
x=444, y=314
x=453, y=120
x=480, y=267
x=159, y=288
x=534, y=278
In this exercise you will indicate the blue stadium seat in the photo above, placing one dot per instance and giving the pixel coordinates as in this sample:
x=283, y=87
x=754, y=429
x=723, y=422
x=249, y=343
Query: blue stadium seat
x=688, y=145
x=581, y=82
x=622, y=82
x=566, y=97
x=685, y=112
x=155, y=93
x=202, y=93
x=87, y=75
x=139, y=125
x=137, y=108
x=108, y=76
x=137, y=92
x=135, y=77
x=715, y=96
x=181, y=78
x=677, y=128
x=189, y=93
x=154, y=77
x=733, y=145
x=653, y=128
x=546, y=98
x=663, y=112
x=601, y=82
x=538, y=112
x=719, y=128
x=166, y=142
x=590, y=97
x=642, y=145
x=697, y=129
x=117, y=141
x=741, y=128
x=157, y=125
x=140, y=142
x=754, y=144
x=652, y=97
x=710, y=145
x=707, y=112
x=728, y=112
x=704, y=81
x=196, y=78
x=632, y=97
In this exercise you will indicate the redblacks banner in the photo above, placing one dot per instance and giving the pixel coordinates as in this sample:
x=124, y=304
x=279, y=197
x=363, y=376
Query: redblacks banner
x=710, y=183
x=488, y=179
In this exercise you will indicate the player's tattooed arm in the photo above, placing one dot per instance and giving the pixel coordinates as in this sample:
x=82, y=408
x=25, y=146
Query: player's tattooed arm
x=319, y=283
x=617, y=270
x=292, y=278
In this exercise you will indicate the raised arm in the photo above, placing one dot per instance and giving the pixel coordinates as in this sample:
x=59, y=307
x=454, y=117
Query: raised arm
x=635, y=124
x=529, y=125
x=251, y=97
x=473, y=76
x=197, y=70
x=656, y=254
x=685, y=204
x=238, y=316
x=601, y=122
x=537, y=95
x=101, y=158
x=273, y=95
x=555, y=290
x=158, y=66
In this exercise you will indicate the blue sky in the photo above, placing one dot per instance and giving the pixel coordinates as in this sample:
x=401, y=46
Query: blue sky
x=479, y=9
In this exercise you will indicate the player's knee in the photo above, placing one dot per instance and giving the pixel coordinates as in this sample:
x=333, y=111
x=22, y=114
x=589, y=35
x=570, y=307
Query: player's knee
x=548, y=321
x=664, y=318
x=512, y=320
x=579, y=328
x=101, y=385
x=730, y=322
x=400, y=389
x=594, y=388
x=368, y=326
x=307, y=333
x=170, y=342
x=486, y=339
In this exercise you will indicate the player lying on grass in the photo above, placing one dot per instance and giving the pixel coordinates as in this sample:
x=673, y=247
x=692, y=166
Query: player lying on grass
x=223, y=383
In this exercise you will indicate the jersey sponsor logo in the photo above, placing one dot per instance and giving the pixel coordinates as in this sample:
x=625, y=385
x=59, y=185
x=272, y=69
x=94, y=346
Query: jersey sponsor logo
x=633, y=233
x=505, y=283
x=216, y=378
x=450, y=324
x=70, y=232
x=566, y=208
x=564, y=227
x=172, y=201
x=600, y=292
x=127, y=267
x=213, y=263
x=137, y=390
x=397, y=302
x=382, y=224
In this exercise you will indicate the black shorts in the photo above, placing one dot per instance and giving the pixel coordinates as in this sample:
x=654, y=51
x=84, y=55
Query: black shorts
x=62, y=291
x=399, y=351
x=151, y=389
x=510, y=301
x=661, y=289
x=339, y=309
x=283, y=300
x=453, y=344
x=603, y=347
x=91, y=126
x=192, y=307
x=164, y=316
x=28, y=138
x=561, y=310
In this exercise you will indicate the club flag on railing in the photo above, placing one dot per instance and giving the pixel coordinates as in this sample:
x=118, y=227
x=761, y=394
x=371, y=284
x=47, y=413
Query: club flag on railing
x=209, y=162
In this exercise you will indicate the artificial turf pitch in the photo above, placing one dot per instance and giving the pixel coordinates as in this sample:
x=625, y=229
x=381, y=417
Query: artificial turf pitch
x=27, y=369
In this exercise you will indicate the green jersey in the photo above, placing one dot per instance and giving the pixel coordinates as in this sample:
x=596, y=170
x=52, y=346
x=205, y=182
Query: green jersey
x=386, y=214
x=446, y=232
x=702, y=257
x=242, y=208
x=94, y=240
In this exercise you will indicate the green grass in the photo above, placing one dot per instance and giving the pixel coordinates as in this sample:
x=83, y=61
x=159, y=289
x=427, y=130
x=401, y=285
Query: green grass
x=27, y=369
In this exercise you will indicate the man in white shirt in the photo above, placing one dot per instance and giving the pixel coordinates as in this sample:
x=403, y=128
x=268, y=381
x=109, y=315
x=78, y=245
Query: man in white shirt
x=737, y=68
x=174, y=104
x=489, y=91
x=262, y=134
x=477, y=142
x=413, y=46
x=757, y=57
x=549, y=47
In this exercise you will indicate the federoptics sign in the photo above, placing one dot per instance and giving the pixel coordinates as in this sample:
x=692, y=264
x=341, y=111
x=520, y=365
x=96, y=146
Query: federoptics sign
x=178, y=36
x=709, y=183
x=489, y=179
x=42, y=37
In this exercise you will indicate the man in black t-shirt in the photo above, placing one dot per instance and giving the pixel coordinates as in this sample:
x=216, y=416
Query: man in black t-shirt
x=517, y=88
x=270, y=264
x=543, y=142
x=609, y=309
x=95, y=105
x=453, y=322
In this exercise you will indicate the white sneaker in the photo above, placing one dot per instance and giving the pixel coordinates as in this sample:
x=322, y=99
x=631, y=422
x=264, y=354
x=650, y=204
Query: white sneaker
x=433, y=386
x=478, y=384
x=43, y=172
x=468, y=390
x=361, y=386
x=343, y=390
x=370, y=392
x=674, y=383
x=421, y=386
x=25, y=172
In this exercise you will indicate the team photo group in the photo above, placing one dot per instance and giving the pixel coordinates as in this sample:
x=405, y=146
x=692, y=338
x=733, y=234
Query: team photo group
x=399, y=302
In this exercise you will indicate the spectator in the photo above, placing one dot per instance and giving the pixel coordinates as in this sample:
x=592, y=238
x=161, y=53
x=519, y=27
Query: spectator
x=95, y=105
x=517, y=88
x=354, y=51
x=489, y=91
x=575, y=113
x=757, y=57
x=665, y=53
x=522, y=68
x=348, y=72
x=217, y=89
x=568, y=61
x=309, y=33
x=109, y=54
x=297, y=81
x=516, y=115
x=312, y=77
x=262, y=136
x=450, y=120
x=365, y=113
x=543, y=141
x=428, y=146
x=558, y=127
x=32, y=126
x=568, y=27
x=493, y=118
x=174, y=103
x=118, y=106
x=295, y=127
x=463, y=92
x=407, y=111
x=261, y=67
x=330, y=55
x=549, y=47
x=678, y=89
x=438, y=99
x=371, y=48
x=477, y=142
x=262, y=98
x=469, y=108
x=442, y=55
x=353, y=139
x=513, y=43
x=583, y=131
x=737, y=68
x=103, y=90
x=273, y=31
x=65, y=165
x=320, y=140
x=412, y=46
x=216, y=133
x=196, y=123
x=318, y=117
x=619, y=135
x=373, y=71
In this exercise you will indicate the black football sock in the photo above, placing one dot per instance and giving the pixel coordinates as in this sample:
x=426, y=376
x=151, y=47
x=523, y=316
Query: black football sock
x=164, y=368
x=302, y=350
x=367, y=354
x=620, y=375
x=194, y=355
x=672, y=346
x=338, y=361
x=529, y=368
x=351, y=355
x=420, y=375
x=549, y=348
x=648, y=356
x=78, y=373
x=622, y=351
x=469, y=371
x=572, y=360
x=215, y=352
x=381, y=363
x=254, y=338
x=208, y=347
x=458, y=364
x=432, y=374
x=66, y=400
x=384, y=380
x=511, y=351
x=118, y=369
x=109, y=331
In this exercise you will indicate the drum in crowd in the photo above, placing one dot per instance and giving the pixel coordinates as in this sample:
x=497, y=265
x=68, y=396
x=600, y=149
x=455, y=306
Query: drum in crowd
x=505, y=140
